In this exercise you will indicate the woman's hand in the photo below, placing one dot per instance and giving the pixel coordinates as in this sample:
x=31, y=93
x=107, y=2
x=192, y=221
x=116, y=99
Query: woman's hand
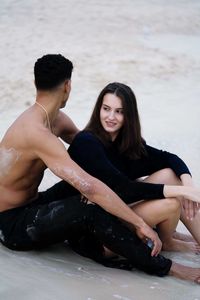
x=191, y=208
x=145, y=232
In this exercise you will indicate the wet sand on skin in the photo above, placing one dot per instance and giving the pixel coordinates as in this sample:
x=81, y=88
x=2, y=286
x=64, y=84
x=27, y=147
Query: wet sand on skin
x=151, y=45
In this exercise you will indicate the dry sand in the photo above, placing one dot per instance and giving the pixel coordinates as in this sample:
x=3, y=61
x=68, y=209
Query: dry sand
x=152, y=45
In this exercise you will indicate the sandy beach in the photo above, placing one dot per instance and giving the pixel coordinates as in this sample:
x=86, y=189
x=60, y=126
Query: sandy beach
x=151, y=45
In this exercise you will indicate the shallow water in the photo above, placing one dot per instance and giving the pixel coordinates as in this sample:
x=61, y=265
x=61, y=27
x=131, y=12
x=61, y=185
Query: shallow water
x=152, y=45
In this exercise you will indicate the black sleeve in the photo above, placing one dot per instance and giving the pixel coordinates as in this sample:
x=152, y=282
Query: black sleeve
x=158, y=159
x=87, y=151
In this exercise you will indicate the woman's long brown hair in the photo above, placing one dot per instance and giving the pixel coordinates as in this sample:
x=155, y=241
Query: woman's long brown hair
x=129, y=140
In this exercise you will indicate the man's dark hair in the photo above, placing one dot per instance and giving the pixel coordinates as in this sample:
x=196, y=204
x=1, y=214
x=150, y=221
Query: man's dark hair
x=51, y=70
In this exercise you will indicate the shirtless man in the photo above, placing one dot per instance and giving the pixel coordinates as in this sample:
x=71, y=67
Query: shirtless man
x=30, y=220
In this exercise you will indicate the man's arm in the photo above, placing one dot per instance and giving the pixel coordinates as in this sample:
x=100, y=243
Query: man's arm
x=67, y=128
x=53, y=153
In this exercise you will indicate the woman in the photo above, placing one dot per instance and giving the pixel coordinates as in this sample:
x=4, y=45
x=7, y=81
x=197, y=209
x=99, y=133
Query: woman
x=112, y=149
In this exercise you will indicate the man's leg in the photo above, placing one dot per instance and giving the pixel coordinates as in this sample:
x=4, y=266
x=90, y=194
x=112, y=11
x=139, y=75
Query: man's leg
x=40, y=224
x=116, y=236
x=36, y=226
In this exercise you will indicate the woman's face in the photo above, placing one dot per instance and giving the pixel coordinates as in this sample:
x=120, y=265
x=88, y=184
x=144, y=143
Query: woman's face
x=111, y=115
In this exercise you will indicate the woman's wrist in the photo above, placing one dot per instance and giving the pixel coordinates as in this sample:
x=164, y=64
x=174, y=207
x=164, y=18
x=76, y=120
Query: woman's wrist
x=170, y=191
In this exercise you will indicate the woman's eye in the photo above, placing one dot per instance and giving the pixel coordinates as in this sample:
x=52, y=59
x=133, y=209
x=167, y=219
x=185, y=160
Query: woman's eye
x=120, y=112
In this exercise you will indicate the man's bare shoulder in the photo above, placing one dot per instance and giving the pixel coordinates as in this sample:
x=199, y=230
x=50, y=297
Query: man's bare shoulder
x=24, y=132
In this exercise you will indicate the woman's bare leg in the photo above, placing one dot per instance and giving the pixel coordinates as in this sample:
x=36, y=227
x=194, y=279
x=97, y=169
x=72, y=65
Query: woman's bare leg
x=193, y=226
x=167, y=176
x=164, y=214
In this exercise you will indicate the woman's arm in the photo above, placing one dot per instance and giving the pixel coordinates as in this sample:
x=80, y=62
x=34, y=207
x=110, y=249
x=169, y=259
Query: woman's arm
x=158, y=159
x=90, y=154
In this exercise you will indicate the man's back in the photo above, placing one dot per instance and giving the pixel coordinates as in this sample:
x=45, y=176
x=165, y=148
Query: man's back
x=21, y=171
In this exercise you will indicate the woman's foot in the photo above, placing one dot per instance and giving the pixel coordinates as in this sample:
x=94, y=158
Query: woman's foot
x=181, y=246
x=183, y=237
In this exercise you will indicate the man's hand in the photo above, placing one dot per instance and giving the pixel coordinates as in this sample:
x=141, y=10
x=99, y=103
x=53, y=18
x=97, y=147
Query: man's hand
x=146, y=232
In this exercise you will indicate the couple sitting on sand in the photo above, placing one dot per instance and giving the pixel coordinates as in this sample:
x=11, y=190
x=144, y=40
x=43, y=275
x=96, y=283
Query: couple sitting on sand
x=118, y=196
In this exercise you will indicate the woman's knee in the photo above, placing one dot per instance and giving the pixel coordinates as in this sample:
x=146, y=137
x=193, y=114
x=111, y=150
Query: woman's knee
x=169, y=176
x=165, y=176
x=173, y=205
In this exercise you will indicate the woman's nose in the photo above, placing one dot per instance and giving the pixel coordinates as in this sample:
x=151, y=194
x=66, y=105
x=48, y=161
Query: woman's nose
x=111, y=115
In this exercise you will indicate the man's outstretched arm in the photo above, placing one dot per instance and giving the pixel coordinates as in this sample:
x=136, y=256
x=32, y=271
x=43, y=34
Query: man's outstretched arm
x=52, y=152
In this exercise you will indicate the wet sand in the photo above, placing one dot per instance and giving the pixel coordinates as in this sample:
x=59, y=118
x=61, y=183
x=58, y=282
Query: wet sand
x=154, y=47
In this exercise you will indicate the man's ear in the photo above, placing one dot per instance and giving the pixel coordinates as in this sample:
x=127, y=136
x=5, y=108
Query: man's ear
x=68, y=85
